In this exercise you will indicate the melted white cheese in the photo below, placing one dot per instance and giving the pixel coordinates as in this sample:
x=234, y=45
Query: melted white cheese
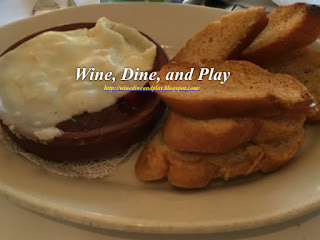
x=38, y=86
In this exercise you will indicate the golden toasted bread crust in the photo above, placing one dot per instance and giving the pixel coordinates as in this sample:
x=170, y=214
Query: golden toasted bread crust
x=289, y=28
x=249, y=92
x=149, y=167
x=192, y=170
x=274, y=129
x=221, y=135
x=208, y=136
x=225, y=39
x=304, y=65
x=279, y=153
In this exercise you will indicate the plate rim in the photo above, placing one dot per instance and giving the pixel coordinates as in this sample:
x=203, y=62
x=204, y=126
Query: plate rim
x=127, y=225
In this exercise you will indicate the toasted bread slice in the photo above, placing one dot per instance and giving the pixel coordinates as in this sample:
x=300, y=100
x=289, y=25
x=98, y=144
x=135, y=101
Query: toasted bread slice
x=208, y=136
x=289, y=28
x=195, y=170
x=225, y=39
x=304, y=65
x=221, y=135
x=249, y=91
x=275, y=129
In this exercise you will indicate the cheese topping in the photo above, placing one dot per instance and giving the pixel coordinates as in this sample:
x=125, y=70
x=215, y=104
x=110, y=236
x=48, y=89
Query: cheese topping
x=38, y=86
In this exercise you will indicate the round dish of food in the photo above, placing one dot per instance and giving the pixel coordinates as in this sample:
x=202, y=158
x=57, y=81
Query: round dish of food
x=89, y=132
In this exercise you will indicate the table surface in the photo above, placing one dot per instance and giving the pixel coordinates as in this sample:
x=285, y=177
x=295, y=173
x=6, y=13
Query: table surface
x=18, y=223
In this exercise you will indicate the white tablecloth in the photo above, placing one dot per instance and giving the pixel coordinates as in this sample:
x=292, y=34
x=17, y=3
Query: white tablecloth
x=17, y=223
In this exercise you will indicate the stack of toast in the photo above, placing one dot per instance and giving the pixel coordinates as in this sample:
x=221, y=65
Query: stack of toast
x=254, y=122
x=304, y=65
x=283, y=46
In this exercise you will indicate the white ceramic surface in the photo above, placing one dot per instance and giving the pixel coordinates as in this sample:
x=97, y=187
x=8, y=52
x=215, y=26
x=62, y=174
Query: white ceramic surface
x=122, y=202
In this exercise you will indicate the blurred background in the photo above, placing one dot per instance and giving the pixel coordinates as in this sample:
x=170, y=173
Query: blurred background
x=23, y=8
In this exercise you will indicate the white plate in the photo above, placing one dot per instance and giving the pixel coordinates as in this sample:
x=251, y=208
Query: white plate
x=122, y=202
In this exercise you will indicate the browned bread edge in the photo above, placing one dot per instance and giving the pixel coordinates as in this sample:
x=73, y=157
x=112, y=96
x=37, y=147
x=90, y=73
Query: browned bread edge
x=212, y=107
x=221, y=135
x=157, y=161
x=208, y=36
x=300, y=36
